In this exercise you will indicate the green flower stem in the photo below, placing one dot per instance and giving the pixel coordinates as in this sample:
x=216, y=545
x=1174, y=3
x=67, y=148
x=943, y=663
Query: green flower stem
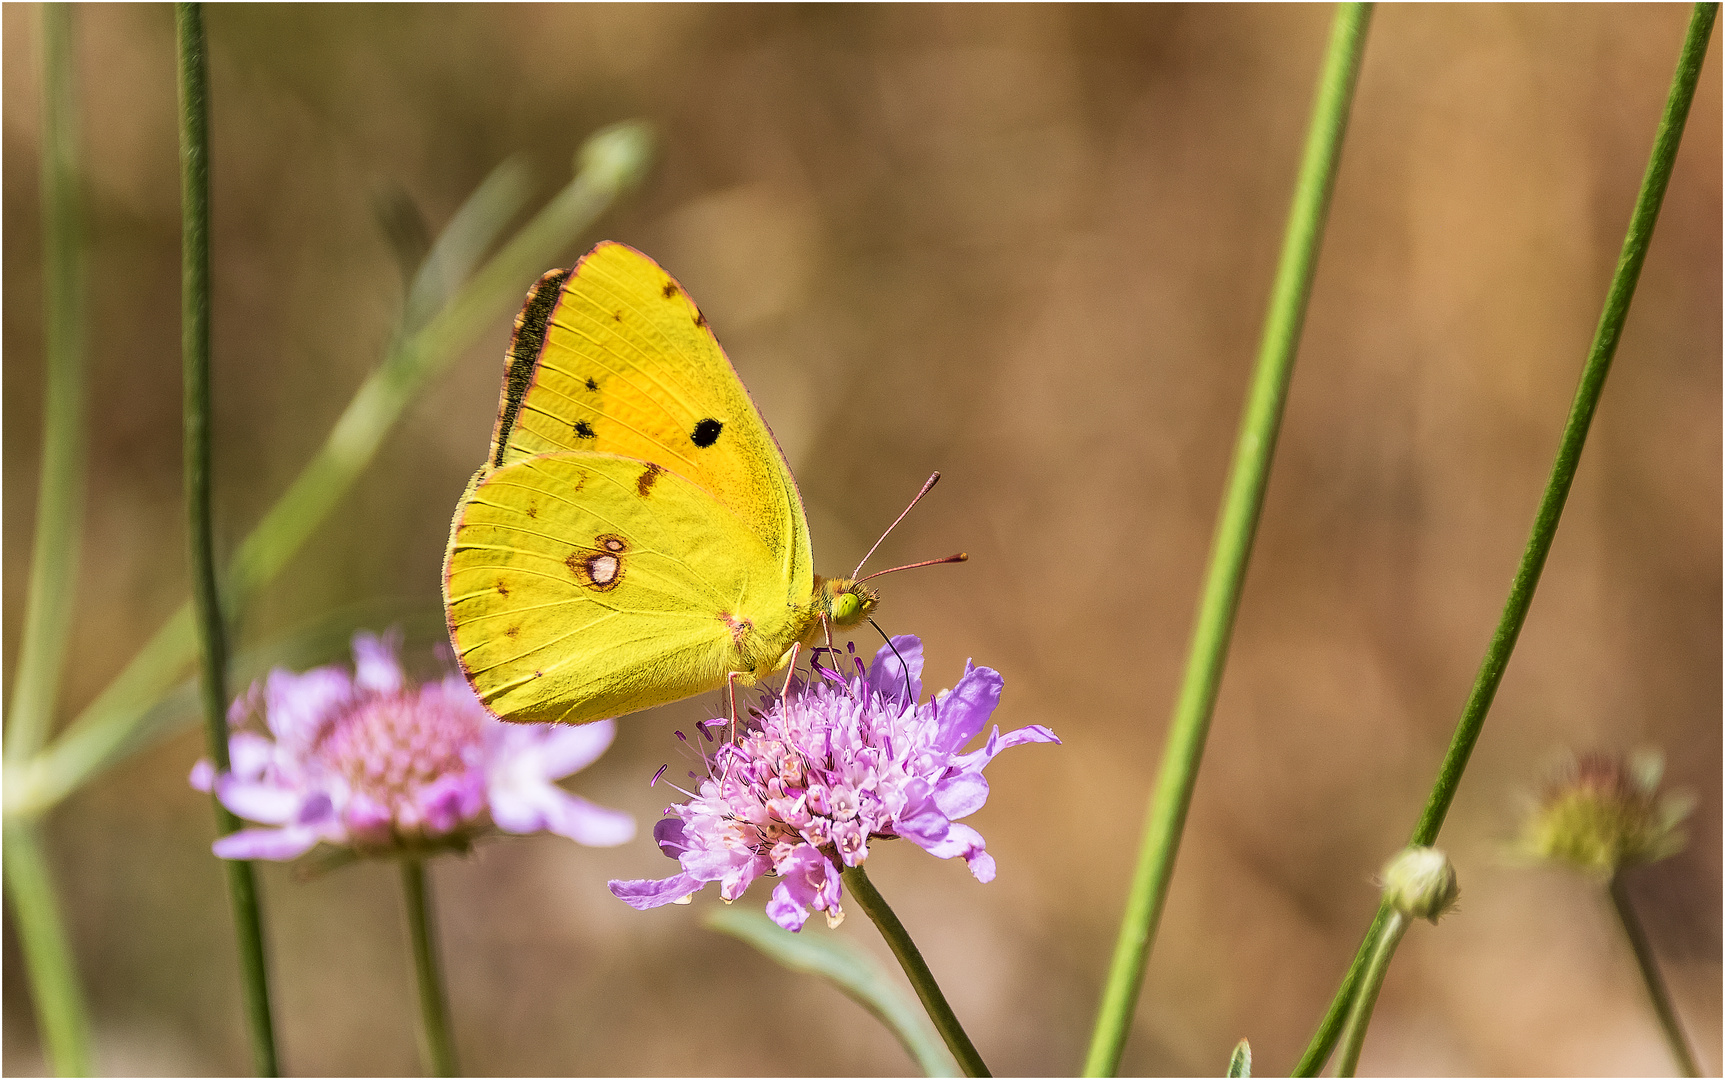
x=60, y=1013
x=1360, y=1016
x=435, y=1039
x=60, y=501
x=65, y=1028
x=1669, y=1023
x=921, y=979
x=1235, y=530
x=1605, y=339
x=611, y=163
x=195, y=357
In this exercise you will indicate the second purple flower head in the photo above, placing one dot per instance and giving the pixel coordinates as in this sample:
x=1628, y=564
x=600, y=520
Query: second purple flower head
x=370, y=762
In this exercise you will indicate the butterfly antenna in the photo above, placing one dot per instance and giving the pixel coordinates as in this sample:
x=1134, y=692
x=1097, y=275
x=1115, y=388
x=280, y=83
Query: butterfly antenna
x=926, y=488
x=960, y=557
x=902, y=666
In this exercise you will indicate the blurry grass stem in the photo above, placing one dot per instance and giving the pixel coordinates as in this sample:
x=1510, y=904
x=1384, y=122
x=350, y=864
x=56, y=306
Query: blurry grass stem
x=1604, y=347
x=611, y=162
x=1372, y=980
x=60, y=1014
x=921, y=978
x=436, y=1041
x=1235, y=529
x=212, y=637
x=60, y=498
x=1670, y=1025
x=855, y=974
x=62, y=1022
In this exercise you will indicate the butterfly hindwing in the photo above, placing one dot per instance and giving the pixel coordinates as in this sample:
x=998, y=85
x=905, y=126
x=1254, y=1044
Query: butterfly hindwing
x=583, y=585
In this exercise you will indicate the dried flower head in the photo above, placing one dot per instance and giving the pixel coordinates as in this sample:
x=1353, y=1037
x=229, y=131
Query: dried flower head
x=819, y=774
x=1420, y=882
x=372, y=763
x=1605, y=813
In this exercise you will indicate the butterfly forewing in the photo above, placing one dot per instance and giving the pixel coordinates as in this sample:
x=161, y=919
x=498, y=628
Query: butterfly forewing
x=615, y=358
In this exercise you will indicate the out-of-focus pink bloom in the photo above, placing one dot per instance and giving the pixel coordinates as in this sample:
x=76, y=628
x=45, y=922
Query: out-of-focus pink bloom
x=371, y=762
x=825, y=770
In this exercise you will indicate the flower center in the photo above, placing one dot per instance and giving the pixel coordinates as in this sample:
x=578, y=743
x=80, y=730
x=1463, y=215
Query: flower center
x=392, y=746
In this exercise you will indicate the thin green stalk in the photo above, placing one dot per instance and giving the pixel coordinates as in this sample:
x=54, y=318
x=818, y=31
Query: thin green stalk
x=1236, y=527
x=195, y=357
x=1669, y=1023
x=611, y=162
x=60, y=501
x=1599, y=356
x=1360, y=1017
x=436, y=1042
x=65, y=1027
x=60, y=1013
x=921, y=979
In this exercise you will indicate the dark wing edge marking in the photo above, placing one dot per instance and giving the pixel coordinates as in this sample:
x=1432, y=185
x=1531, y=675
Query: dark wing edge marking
x=525, y=345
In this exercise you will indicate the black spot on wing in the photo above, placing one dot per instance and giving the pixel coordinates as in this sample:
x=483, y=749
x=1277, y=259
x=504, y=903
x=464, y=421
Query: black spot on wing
x=584, y=430
x=670, y=289
x=706, y=432
x=592, y=383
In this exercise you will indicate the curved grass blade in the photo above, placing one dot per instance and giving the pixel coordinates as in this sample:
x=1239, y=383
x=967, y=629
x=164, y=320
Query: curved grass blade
x=854, y=973
x=61, y=1016
x=612, y=161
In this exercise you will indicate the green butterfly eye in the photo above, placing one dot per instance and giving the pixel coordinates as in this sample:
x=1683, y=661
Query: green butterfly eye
x=846, y=608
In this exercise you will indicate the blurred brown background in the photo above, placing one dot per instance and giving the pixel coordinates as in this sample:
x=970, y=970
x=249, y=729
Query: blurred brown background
x=1031, y=247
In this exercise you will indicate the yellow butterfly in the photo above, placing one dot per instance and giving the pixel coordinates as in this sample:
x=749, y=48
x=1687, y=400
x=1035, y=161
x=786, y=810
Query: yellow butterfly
x=635, y=536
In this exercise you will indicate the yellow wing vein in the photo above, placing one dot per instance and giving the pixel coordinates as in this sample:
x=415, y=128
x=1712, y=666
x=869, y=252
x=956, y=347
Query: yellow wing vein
x=611, y=285
x=640, y=365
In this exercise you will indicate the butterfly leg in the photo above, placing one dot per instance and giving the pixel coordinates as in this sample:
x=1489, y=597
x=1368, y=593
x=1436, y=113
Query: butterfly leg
x=731, y=690
x=791, y=673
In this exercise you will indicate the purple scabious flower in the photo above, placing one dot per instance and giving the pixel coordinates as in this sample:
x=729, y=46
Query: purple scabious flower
x=824, y=770
x=372, y=763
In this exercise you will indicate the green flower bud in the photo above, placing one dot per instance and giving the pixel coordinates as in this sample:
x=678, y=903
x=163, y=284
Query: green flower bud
x=1605, y=813
x=1420, y=883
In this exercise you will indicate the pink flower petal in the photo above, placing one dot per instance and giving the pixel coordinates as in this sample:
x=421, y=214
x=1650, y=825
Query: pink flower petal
x=249, y=754
x=651, y=893
x=566, y=748
x=963, y=711
x=375, y=668
x=278, y=845
x=962, y=795
x=886, y=675
x=253, y=801
x=298, y=705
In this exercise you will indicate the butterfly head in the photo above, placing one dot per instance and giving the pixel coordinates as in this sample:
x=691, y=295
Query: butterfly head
x=842, y=602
